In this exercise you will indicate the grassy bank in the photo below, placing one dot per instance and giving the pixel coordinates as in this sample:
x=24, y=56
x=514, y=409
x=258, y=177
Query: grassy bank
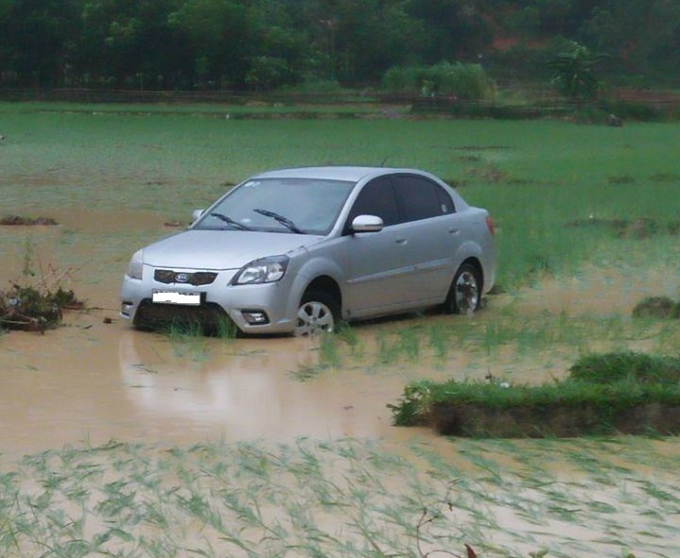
x=614, y=393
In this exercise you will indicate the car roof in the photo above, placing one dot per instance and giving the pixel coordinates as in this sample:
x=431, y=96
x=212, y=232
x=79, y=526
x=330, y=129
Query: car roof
x=349, y=173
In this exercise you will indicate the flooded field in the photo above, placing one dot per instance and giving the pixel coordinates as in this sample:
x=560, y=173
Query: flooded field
x=298, y=433
x=135, y=444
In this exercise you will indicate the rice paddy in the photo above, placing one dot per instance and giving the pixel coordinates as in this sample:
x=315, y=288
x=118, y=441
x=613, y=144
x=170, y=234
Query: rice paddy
x=569, y=290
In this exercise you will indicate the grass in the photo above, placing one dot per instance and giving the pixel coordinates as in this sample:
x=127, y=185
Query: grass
x=604, y=394
x=341, y=498
x=532, y=187
x=436, y=344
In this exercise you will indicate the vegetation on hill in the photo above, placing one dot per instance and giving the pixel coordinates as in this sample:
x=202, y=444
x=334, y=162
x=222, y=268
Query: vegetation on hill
x=268, y=44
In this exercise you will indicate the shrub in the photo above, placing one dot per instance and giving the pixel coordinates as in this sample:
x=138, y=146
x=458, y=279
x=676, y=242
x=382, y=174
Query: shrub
x=639, y=111
x=465, y=81
x=657, y=307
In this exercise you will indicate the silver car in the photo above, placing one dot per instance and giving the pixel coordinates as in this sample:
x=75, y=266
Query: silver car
x=297, y=250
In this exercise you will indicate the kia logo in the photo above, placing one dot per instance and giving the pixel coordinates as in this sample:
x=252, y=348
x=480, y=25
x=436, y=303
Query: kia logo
x=181, y=277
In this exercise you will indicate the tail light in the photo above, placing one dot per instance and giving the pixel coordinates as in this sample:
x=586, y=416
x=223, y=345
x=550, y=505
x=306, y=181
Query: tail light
x=489, y=224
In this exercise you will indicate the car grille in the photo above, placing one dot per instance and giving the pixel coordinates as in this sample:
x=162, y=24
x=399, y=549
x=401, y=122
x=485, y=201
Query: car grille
x=168, y=276
x=210, y=316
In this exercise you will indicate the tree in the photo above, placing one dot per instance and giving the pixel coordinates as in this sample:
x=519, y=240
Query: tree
x=454, y=29
x=280, y=50
x=573, y=72
x=37, y=39
x=216, y=32
x=127, y=43
x=641, y=36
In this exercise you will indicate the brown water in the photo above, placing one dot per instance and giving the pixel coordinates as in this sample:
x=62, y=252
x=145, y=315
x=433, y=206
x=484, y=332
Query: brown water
x=97, y=381
x=92, y=381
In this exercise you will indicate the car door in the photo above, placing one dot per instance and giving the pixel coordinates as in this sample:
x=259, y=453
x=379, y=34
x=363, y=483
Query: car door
x=377, y=279
x=431, y=232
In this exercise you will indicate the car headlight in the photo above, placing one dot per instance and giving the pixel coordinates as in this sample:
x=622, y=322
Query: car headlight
x=136, y=265
x=265, y=270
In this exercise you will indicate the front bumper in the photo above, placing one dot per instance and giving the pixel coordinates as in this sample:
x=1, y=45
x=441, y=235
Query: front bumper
x=254, y=309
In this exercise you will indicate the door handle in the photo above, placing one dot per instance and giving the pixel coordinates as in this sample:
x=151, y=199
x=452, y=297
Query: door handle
x=401, y=240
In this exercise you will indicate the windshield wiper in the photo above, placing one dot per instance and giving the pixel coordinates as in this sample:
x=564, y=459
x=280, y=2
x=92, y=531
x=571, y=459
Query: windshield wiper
x=230, y=221
x=281, y=219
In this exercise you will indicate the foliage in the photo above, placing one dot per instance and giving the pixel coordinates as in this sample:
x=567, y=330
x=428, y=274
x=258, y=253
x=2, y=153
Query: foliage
x=35, y=302
x=413, y=407
x=34, y=309
x=465, y=81
x=264, y=44
x=574, y=72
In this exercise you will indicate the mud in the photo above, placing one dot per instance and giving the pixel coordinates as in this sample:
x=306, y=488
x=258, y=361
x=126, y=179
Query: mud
x=18, y=220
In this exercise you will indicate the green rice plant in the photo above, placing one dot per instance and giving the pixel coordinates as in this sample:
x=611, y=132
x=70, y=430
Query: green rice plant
x=307, y=372
x=409, y=342
x=349, y=336
x=538, y=186
x=439, y=339
x=224, y=328
x=330, y=357
x=187, y=339
x=570, y=408
x=386, y=349
x=338, y=498
x=626, y=366
x=329, y=352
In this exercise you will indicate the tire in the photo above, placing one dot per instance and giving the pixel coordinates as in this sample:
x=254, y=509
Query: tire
x=318, y=313
x=465, y=293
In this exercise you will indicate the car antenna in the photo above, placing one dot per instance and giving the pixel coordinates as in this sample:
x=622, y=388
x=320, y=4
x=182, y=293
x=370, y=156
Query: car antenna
x=384, y=161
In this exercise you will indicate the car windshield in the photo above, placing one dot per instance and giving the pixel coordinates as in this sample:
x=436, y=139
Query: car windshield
x=295, y=205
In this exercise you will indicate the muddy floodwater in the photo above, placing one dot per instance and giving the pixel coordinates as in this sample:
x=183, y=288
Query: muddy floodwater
x=144, y=397
x=93, y=380
x=90, y=380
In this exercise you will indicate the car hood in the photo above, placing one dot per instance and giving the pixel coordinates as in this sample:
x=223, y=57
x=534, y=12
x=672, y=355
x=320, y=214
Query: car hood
x=202, y=249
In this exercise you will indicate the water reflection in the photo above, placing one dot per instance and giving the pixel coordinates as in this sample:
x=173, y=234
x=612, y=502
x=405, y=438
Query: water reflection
x=242, y=389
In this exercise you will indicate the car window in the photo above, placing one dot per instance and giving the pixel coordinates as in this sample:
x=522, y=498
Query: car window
x=303, y=205
x=446, y=203
x=377, y=198
x=420, y=198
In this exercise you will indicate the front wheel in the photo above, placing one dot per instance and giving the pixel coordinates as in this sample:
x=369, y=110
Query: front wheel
x=465, y=293
x=318, y=313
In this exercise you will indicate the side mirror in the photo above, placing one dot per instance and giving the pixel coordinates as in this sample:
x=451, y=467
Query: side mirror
x=367, y=223
x=196, y=214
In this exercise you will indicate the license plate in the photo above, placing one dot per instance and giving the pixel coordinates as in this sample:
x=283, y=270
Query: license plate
x=176, y=297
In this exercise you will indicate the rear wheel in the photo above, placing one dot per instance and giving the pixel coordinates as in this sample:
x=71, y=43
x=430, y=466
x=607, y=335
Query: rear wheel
x=465, y=293
x=318, y=313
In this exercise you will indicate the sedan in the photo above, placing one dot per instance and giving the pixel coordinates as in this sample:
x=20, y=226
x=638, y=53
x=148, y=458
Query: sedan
x=297, y=251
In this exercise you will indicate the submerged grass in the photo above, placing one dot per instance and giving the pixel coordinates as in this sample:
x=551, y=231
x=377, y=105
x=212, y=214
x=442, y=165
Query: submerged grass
x=335, y=499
